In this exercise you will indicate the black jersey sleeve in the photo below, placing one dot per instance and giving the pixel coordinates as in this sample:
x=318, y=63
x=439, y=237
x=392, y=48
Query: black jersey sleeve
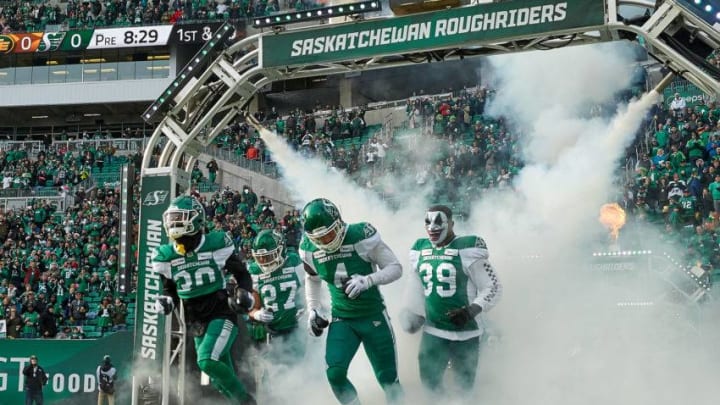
x=235, y=266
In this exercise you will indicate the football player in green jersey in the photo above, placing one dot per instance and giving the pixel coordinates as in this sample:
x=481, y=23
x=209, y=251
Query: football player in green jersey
x=277, y=277
x=452, y=284
x=193, y=266
x=353, y=261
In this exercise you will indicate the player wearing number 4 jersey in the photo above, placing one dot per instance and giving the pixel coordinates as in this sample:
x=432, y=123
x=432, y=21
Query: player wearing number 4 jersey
x=353, y=261
x=194, y=266
x=453, y=283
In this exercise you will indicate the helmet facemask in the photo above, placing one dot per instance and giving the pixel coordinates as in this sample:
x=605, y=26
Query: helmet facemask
x=328, y=239
x=179, y=222
x=437, y=225
x=269, y=260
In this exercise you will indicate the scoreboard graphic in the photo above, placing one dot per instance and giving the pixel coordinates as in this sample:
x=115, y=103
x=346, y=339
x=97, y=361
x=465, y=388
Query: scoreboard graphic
x=107, y=38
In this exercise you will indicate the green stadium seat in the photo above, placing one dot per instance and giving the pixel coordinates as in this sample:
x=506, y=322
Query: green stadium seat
x=89, y=329
x=93, y=335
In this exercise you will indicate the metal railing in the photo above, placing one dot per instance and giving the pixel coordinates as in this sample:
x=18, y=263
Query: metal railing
x=21, y=203
x=266, y=168
x=33, y=148
x=120, y=144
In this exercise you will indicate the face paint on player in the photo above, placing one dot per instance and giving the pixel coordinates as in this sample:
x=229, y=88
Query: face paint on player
x=437, y=226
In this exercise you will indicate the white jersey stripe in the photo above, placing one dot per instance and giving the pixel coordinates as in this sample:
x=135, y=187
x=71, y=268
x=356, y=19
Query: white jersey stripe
x=222, y=341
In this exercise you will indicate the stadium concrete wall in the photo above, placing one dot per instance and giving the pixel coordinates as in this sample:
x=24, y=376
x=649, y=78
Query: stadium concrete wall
x=119, y=91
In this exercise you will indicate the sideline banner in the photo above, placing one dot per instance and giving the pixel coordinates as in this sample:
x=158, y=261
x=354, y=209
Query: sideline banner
x=71, y=366
x=149, y=325
x=471, y=25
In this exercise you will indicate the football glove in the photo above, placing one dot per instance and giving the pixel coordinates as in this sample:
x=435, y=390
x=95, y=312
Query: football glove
x=357, y=285
x=461, y=316
x=316, y=323
x=264, y=315
x=411, y=322
x=164, y=304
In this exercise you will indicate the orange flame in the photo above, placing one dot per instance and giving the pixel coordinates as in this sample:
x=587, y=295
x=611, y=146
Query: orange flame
x=612, y=216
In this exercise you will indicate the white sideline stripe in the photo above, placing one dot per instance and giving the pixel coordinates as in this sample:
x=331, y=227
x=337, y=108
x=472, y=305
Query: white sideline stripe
x=222, y=341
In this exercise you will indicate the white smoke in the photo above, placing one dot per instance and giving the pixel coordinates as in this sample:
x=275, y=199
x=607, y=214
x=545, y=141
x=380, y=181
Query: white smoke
x=558, y=335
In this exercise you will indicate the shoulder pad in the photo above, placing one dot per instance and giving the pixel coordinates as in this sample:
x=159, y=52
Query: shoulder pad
x=368, y=229
x=293, y=260
x=465, y=242
x=253, y=268
x=162, y=253
x=420, y=244
x=306, y=244
x=472, y=248
x=359, y=231
x=218, y=239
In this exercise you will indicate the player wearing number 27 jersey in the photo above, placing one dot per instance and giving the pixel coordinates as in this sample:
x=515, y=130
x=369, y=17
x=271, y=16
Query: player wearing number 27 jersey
x=353, y=261
x=453, y=283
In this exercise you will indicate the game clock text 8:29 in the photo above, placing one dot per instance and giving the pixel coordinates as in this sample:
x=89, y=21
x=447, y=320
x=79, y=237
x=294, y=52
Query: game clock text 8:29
x=130, y=37
x=141, y=37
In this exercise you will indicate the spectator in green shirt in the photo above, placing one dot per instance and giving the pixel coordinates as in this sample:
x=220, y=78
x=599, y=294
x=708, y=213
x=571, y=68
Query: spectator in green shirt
x=714, y=188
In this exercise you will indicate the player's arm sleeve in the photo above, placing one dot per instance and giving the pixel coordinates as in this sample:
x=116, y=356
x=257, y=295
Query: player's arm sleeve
x=160, y=265
x=377, y=252
x=300, y=295
x=170, y=289
x=238, y=269
x=222, y=255
x=313, y=285
x=414, y=293
x=485, y=278
x=313, y=292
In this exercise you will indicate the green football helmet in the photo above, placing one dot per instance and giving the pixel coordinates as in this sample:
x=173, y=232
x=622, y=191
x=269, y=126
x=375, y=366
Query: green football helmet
x=323, y=225
x=268, y=250
x=184, y=216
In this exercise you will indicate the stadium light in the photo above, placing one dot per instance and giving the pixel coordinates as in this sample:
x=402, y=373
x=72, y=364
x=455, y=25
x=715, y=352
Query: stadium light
x=623, y=253
x=318, y=14
x=193, y=68
x=705, y=9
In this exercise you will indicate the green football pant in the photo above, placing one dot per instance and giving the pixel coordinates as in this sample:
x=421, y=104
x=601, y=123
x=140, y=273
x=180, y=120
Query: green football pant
x=343, y=340
x=213, y=358
x=436, y=353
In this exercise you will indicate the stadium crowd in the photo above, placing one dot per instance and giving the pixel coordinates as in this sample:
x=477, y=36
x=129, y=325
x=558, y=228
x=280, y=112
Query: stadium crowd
x=54, y=168
x=58, y=269
x=36, y=15
x=675, y=184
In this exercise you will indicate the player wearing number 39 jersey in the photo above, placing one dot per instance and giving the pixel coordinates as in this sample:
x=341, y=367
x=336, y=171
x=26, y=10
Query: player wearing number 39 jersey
x=193, y=266
x=453, y=283
x=353, y=261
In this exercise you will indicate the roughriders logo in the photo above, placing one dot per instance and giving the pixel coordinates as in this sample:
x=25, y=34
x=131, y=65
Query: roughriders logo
x=156, y=197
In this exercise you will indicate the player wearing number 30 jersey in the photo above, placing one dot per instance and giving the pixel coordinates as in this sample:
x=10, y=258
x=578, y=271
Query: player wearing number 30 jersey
x=453, y=283
x=193, y=266
x=353, y=261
